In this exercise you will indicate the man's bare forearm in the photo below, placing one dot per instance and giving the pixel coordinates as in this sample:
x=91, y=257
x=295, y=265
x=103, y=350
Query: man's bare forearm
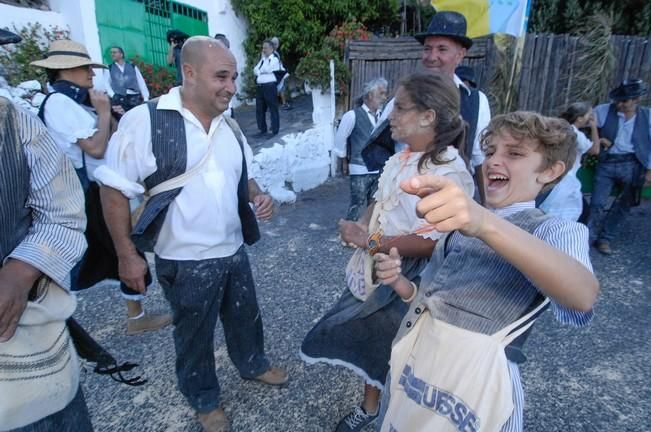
x=117, y=215
x=254, y=189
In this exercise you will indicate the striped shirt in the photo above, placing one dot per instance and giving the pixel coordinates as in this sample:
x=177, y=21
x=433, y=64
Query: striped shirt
x=571, y=238
x=55, y=240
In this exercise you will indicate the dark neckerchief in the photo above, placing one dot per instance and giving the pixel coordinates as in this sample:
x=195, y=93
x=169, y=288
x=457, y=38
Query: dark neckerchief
x=73, y=91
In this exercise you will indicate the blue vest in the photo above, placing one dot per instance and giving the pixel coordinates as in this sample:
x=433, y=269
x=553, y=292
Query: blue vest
x=470, y=113
x=469, y=285
x=123, y=81
x=15, y=217
x=640, y=139
x=170, y=150
x=359, y=136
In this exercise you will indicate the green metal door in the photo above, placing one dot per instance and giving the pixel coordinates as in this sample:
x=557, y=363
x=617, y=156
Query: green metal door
x=140, y=26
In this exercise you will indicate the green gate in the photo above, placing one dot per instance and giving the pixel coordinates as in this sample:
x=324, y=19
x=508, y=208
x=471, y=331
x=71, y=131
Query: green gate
x=140, y=26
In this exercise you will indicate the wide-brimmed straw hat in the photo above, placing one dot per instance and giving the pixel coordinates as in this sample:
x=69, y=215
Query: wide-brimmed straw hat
x=628, y=89
x=66, y=54
x=448, y=24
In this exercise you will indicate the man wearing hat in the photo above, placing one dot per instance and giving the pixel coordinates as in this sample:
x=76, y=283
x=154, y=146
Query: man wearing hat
x=41, y=238
x=445, y=44
x=79, y=119
x=624, y=160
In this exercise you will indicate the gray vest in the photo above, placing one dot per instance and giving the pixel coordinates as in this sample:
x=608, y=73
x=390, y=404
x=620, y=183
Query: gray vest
x=359, y=136
x=170, y=150
x=121, y=81
x=470, y=286
x=640, y=139
x=15, y=217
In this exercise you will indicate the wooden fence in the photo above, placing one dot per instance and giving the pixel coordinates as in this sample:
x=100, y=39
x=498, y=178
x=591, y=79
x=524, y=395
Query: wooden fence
x=548, y=75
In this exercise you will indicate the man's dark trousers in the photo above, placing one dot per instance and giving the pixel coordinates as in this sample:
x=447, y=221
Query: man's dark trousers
x=199, y=292
x=266, y=97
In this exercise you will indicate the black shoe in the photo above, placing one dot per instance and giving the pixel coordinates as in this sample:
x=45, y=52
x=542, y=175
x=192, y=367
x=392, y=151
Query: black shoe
x=259, y=135
x=273, y=134
x=286, y=107
x=355, y=421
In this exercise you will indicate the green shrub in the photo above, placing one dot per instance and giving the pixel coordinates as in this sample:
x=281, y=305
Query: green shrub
x=314, y=68
x=15, y=58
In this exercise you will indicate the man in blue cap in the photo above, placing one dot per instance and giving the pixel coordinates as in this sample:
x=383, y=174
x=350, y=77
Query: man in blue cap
x=624, y=160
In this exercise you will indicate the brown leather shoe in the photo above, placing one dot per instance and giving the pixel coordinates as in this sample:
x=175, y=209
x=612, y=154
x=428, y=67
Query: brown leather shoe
x=214, y=421
x=275, y=376
x=147, y=323
x=604, y=248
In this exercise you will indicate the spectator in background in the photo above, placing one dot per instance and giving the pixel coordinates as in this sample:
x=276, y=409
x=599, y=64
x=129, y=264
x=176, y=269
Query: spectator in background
x=625, y=159
x=281, y=76
x=175, y=39
x=124, y=83
x=565, y=200
x=79, y=120
x=352, y=135
x=266, y=96
x=223, y=39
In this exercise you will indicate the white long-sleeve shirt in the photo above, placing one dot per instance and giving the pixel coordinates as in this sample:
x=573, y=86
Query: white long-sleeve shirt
x=264, y=70
x=202, y=222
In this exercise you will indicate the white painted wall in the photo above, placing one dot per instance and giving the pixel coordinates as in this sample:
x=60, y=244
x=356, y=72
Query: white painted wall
x=11, y=16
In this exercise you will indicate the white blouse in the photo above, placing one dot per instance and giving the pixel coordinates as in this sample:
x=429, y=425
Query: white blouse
x=67, y=121
x=397, y=214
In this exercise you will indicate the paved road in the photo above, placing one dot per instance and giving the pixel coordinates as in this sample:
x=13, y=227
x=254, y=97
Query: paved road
x=594, y=379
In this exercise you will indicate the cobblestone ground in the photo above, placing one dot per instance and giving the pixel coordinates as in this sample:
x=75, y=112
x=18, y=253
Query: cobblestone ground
x=592, y=379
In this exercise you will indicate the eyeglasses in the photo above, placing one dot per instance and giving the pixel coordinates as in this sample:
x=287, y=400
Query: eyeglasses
x=399, y=110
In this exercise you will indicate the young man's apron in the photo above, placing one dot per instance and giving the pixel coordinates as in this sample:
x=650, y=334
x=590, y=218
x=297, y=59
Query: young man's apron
x=445, y=378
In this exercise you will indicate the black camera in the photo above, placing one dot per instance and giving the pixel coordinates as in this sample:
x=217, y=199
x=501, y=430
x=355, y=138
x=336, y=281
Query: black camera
x=176, y=36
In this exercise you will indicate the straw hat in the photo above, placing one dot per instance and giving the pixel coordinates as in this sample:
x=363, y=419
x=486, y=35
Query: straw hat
x=66, y=54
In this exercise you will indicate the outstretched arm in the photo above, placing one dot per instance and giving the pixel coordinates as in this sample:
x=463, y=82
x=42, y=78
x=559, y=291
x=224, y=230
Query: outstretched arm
x=552, y=271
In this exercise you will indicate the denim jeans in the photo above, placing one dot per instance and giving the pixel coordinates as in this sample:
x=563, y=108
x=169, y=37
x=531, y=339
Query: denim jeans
x=73, y=418
x=362, y=189
x=616, y=170
x=199, y=292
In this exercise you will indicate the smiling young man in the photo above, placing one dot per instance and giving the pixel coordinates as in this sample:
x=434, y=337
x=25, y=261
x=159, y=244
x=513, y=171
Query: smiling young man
x=197, y=225
x=487, y=280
